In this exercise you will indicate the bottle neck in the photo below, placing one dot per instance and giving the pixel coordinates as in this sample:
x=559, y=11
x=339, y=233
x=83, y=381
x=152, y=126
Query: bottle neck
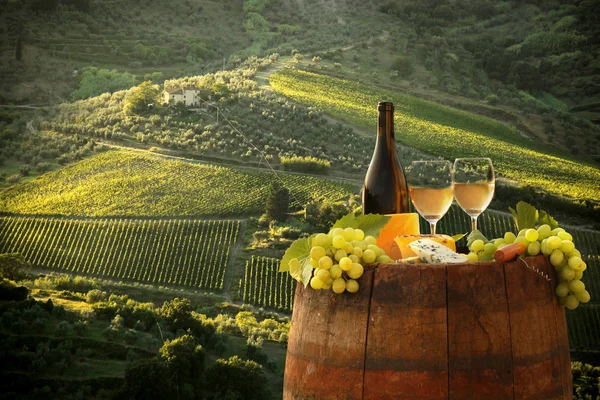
x=385, y=124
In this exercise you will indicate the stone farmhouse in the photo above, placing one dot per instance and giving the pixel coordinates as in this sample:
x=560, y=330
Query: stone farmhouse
x=190, y=96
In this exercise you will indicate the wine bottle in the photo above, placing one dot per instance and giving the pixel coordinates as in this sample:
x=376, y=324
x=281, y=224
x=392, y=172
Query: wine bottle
x=385, y=190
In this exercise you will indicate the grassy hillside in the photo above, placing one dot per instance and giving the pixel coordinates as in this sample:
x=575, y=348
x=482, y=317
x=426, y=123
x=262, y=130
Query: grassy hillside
x=446, y=132
x=121, y=183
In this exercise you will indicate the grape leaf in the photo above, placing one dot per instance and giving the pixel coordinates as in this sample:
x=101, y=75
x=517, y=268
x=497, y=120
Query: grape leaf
x=525, y=216
x=299, y=249
x=545, y=218
x=370, y=224
x=307, y=271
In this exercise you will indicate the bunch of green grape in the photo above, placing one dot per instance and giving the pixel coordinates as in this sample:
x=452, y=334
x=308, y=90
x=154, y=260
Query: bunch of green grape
x=555, y=243
x=338, y=259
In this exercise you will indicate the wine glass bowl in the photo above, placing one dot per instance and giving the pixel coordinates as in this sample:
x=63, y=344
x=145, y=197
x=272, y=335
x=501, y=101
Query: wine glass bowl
x=431, y=189
x=474, y=185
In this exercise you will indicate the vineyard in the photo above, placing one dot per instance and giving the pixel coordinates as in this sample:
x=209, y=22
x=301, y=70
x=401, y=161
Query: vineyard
x=444, y=132
x=121, y=183
x=264, y=286
x=187, y=252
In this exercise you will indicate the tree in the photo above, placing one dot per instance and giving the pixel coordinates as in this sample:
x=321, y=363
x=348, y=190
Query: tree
x=404, y=66
x=228, y=378
x=147, y=379
x=19, y=50
x=185, y=359
x=139, y=98
x=278, y=202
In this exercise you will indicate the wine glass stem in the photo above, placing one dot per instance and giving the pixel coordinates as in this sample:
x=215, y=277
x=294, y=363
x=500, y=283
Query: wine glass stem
x=474, y=223
x=432, y=227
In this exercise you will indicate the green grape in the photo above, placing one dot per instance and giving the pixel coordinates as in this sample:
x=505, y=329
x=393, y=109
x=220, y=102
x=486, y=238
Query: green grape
x=363, y=245
x=562, y=289
x=323, y=240
x=534, y=248
x=571, y=302
x=359, y=234
x=489, y=249
x=369, y=256
x=583, y=296
x=370, y=240
x=472, y=257
x=317, y=252
x=578, y=275
x=316, y=283
x=576, y=263
x=522, y=240
x=557, y=257
x=349, y=234
x=565, y=236
x=335, y=271
x=522, y=232
x=544, y=231
x=502, y=245
x=567, y=274
x=554, y=242
x=339, y=255
x=331, y=251
x=326, y=286
x=486, y=257
x=313, y=263
x=352, y=286
x=576, y=286
x=345, y=263
x=562, y=300
x=348, y=248
x=325, y=262
x=323, y=275
x=356, y=271
x=336, y=232
x=556, y=231
x=384, y=259
x=357, y=251
x=574, y=253
x=338, y=241
x=378, y=252
x=339, y=285
x=545, y=249
x=531, y=235
x=567, y=246
x=354, y=258
x=329, y=281
x=509, y=237
x=477, y=245
x=499, y=242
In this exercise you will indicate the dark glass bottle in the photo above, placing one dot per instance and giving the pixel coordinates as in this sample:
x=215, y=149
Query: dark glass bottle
x=385, y=190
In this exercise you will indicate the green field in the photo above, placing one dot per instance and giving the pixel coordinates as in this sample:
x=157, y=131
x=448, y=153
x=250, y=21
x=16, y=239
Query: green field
x=184, y=252
x=264, y=286
x=446, y=132
x=122, y=183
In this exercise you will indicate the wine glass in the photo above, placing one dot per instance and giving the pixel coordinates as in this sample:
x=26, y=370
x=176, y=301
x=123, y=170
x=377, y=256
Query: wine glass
x=431, y=189
x=474, y=185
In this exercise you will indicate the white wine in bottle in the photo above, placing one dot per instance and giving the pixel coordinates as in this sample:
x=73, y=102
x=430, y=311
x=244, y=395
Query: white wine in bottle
x=385, y=190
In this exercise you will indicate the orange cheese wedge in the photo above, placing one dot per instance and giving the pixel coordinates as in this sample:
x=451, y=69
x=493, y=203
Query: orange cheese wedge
x=399, y=224
x=403, y=241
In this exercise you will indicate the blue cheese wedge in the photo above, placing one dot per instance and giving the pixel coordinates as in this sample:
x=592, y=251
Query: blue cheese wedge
x=434, y=253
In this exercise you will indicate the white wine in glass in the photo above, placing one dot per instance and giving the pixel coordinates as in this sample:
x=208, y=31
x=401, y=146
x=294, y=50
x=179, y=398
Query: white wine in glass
x=474, y=185
x=431, y=189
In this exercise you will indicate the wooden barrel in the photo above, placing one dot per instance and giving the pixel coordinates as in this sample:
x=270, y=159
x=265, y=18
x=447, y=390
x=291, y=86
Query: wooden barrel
x=464, y=331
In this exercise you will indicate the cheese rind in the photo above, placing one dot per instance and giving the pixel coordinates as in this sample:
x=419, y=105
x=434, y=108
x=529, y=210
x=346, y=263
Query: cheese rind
x=434, y=253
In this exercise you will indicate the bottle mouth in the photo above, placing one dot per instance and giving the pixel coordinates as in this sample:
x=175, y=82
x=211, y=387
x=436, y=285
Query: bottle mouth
x=385, y=106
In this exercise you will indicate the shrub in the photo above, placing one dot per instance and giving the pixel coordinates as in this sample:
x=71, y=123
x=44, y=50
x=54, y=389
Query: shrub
x=13, y=178
x=62, y=329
